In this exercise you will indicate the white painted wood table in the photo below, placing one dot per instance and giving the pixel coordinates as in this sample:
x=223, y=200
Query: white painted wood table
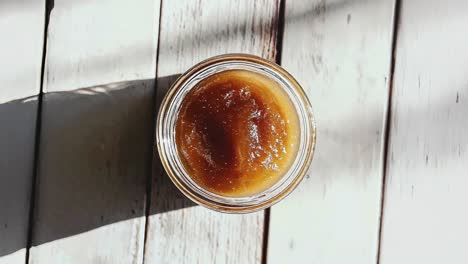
x=81, y=80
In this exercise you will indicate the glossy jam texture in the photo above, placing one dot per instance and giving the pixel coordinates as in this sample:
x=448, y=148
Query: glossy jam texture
x=237, y=133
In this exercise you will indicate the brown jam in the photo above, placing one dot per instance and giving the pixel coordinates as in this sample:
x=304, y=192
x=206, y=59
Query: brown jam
x=237, y=133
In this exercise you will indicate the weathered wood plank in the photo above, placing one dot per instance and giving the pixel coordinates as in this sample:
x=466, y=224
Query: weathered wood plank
x=425, y=212
x=191, y=31
x=95, y=145
x=340, y=52
x=22, y=29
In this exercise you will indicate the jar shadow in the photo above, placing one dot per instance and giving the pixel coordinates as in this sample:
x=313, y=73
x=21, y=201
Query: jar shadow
x=165, y=196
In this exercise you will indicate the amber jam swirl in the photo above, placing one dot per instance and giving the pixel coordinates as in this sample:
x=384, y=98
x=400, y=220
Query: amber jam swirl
x=237, y=133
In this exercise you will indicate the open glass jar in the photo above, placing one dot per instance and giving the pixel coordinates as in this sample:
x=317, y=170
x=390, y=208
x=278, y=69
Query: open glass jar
x=171, y=156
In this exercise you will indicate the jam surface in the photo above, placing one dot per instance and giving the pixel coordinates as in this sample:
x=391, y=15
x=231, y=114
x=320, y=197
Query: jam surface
x=237, y=133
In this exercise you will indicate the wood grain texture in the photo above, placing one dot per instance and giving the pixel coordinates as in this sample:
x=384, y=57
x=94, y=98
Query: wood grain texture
x=425, y=213
x=340, y=52
x=22, y=29
x=95, y=145
x=191, y=31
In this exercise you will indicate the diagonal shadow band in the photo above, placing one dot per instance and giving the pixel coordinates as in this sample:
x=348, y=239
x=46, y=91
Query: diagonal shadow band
x=94, y=162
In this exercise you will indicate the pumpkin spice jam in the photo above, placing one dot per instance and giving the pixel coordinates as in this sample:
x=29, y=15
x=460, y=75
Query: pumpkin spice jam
x=237, y=133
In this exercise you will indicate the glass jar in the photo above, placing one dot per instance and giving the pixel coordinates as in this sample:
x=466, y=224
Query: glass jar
x=167, y=145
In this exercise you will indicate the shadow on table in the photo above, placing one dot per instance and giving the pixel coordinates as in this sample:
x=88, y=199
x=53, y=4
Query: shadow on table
x=95, y=155
x=17, y=136
x=165, y=195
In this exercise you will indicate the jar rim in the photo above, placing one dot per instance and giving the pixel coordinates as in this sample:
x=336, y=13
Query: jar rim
x=170, y=158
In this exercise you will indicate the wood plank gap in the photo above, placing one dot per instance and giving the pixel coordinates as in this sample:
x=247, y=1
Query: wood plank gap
x=49, y=5
x=149, y=179
x=266, y=231
x=280, y=31
x=278, y=55
x=396, y=22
